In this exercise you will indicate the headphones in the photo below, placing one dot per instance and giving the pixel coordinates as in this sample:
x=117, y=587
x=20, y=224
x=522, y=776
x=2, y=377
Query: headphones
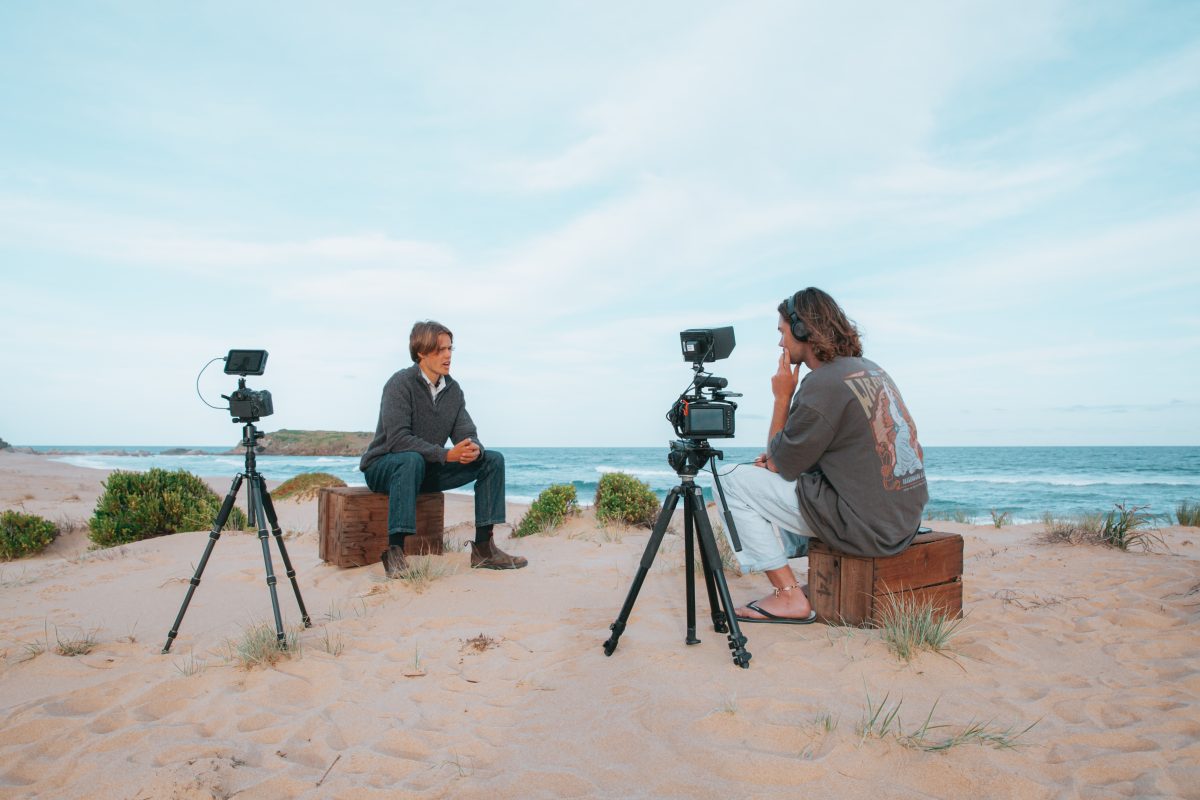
x=799, y=329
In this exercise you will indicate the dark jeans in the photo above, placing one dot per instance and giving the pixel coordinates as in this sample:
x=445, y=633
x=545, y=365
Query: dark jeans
x=402, y=476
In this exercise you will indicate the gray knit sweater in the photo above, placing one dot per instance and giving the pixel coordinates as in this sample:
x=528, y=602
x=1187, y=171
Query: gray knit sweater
x=410, y=420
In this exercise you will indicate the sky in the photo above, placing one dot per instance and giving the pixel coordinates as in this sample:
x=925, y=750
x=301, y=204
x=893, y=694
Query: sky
x=1004, y=197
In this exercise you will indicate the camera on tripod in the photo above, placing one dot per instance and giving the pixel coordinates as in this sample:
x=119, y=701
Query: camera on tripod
x=247, y=405
x=704, y=411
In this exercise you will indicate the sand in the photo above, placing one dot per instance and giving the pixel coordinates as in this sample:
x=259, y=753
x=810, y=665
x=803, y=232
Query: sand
x=495, y=684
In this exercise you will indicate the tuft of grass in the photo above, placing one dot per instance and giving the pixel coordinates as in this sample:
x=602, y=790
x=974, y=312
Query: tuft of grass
x=259, y=646
x=479, y=644
x=1001, y=518
x=555, y=503
x=880, y=721
x=331, y=642
x=908, y=625
x=1188, y=513
x=825, y=723
x=190, y=665
x=423, y=571
x=729, y=704
x=1123, y=528
x=417, y=668
x=31, y=650
x=1069, y=530
x=1126, y=527
x=77, y=644
x=306, y=486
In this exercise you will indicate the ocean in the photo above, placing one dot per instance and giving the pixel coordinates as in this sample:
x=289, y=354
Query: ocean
x=967, y=483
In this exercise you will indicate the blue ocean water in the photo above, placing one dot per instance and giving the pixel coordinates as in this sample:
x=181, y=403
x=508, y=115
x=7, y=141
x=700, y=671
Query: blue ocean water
x=970, y=481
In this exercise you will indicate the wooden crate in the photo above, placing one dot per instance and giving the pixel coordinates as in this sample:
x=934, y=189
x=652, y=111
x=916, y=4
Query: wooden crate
x=851, y=590
x=352, y=525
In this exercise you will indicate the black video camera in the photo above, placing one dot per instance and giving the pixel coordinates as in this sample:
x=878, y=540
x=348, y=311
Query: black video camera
x=702, y=411
x=248, y=405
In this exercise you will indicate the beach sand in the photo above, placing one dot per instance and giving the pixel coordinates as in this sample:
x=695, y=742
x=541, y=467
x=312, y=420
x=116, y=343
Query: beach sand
x=495, y=684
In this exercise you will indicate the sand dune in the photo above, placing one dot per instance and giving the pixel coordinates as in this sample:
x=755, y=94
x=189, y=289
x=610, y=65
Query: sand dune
x=494, y=684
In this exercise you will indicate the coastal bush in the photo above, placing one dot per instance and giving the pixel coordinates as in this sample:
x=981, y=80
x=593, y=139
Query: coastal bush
x=306, y=486
x=24, y=534
x=552, y=506
x=140, y=505
x=1187, y=513
x=624, y=499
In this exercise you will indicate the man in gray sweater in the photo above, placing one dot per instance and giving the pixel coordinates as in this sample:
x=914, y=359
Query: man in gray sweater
x=422, y=409
x=842, y=461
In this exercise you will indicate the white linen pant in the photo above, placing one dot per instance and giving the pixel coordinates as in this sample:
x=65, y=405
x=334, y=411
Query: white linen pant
x=767, y=515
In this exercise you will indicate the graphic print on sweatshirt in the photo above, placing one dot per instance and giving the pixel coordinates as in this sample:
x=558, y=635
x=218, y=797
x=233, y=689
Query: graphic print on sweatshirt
x=902, y=464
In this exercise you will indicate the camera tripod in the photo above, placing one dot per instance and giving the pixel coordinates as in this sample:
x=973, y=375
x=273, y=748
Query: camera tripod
x=687, y=458
x=261, y=511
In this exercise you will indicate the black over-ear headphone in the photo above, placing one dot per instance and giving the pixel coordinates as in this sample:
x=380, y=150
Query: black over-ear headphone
x=799, y=329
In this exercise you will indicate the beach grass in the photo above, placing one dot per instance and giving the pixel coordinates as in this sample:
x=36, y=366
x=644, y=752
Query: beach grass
x=1127, y=526
x=422, y=571
x=75, y=644
x=880, y=721
x=1001, y=518
x=259, y=645
x=331, y=642
x=1188, y=513
x=1123, y=528
x=909, y=625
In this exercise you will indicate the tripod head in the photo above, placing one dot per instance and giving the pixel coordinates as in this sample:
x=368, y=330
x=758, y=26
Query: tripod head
x=688, y=456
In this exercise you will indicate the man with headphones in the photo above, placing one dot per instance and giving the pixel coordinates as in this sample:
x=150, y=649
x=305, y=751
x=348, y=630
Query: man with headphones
x=842, y=460
x=422, y=409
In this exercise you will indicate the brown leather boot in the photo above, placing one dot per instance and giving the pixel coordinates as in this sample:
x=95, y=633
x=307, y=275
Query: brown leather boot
x=488, y=556
x=393, y=560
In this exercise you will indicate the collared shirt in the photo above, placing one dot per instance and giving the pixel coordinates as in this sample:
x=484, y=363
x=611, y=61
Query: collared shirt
x=434, y=388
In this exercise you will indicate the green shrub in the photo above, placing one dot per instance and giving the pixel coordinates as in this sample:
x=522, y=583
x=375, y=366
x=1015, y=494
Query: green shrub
x=24, y=534
x=624, y=499
x=306, y=485
x=552, y=506
x=1187, y=513
x=139, y=505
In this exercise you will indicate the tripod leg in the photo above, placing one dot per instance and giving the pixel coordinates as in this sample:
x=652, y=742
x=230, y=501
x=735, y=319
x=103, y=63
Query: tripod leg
x=656, y=537
x=689, y=569
x=737, y=642
x=258, y=514
x=213, y=535
x=714, y=605
x=269, y=507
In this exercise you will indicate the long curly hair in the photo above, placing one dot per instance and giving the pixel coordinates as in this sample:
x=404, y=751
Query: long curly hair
x=830, y=332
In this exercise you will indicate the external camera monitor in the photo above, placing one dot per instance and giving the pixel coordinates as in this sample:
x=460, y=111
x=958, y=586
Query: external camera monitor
x=246, y=362
x=706, y=344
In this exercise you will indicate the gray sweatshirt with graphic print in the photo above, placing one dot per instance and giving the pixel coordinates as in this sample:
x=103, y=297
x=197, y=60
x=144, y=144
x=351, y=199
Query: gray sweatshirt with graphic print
x=851, y=446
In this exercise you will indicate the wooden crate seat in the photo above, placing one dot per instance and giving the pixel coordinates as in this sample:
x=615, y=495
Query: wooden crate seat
x=352, y=525
x=853, y=590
